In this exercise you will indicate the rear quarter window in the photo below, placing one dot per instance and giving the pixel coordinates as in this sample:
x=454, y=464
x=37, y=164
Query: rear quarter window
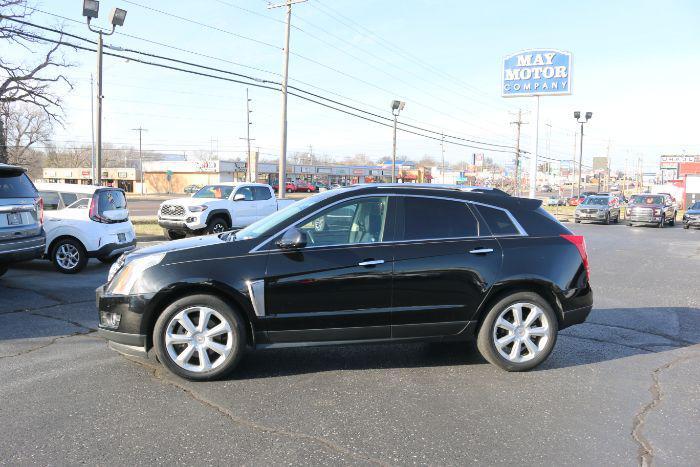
x=538, y=222
x=498, y=221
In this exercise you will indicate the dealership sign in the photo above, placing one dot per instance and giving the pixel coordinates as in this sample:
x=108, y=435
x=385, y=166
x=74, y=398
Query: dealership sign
x=537, y=72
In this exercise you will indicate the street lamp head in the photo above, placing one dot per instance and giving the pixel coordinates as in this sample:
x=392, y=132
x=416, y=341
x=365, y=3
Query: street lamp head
x=589, y=115
x=117, y=17
x=577, y=115
x=397, y=105
x=91, y=8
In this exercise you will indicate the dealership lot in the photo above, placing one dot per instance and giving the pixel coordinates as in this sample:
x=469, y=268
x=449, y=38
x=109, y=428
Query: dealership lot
x=622, y=387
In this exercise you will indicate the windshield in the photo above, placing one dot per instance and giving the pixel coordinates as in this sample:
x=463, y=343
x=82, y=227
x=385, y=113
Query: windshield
x=695, y=206
x=214, y=191
x=596, y=201
x=647, y=199
x=257, y=229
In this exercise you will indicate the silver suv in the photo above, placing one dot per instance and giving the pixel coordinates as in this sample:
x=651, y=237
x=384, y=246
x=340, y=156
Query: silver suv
x=21, y=218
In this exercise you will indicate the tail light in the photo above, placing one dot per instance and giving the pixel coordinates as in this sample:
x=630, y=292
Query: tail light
x=94, y=215
x=580, y=244
x=40, y=209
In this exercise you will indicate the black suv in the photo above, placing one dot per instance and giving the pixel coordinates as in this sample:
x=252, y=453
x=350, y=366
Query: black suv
x=22, y=234
x=372, y=263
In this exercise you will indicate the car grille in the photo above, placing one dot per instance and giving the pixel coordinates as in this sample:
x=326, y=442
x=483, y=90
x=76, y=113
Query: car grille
x=172, y=210
x=589, y=211
x=642, y=211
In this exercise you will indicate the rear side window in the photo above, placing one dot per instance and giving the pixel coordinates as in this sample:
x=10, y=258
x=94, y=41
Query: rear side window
x=430, y=218
x=246, y=191
x=69, y=198
x=51, y=200
x=16, y=185
x=498, y=221
x=261, y=193
x=110, y=200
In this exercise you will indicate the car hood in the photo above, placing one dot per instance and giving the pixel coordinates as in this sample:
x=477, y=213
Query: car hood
x=694, y=212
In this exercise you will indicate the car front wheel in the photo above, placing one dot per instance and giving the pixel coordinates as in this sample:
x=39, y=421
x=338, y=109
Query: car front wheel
x=199, y=337
x=174, y=234
x=519, y=332
x=217, y=225
x=69, y=256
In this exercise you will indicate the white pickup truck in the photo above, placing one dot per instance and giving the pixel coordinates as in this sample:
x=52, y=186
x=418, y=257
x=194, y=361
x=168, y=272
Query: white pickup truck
x=217, y=208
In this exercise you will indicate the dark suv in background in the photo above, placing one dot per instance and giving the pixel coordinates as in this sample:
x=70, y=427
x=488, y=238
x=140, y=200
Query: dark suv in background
x=21, y=218
x=656, y=210
x=380, y=263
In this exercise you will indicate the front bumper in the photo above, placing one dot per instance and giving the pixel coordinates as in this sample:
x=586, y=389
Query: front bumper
x=692, y=221
x=24, y=249
x=590, y=217
x=643, y=219
x=181, y=225
x=131, y=337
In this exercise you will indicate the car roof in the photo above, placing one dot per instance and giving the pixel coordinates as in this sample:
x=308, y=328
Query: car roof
x=71, y=187
x=11, y=168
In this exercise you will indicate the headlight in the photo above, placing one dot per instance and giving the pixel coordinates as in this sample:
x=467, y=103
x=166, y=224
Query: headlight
x=197, y=208
x=127, y=277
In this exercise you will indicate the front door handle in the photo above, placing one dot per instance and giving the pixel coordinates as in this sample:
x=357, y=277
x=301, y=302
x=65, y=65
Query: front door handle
x=372, y=262
x=481, y=251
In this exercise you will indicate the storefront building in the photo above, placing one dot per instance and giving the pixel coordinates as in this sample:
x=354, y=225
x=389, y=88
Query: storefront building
x=125, y=178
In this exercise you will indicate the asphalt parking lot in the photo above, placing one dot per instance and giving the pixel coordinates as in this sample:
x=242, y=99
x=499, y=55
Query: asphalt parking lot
x=621, y=389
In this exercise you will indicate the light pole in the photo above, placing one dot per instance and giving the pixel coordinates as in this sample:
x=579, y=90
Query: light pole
x=396, y=108
x=91, y=9
x=577, y=116
x=140, y=130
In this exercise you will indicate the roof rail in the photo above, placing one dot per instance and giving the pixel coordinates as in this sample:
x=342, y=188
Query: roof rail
x=441, y=186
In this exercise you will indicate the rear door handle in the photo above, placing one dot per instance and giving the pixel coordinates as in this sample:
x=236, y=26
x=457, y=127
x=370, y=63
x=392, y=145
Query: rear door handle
x=372, y=262
x=481, y=251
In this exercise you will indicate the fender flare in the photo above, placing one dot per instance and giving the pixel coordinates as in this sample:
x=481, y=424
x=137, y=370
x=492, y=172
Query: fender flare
x=221, y=213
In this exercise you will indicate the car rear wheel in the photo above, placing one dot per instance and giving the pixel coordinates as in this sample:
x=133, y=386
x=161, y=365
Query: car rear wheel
x=607, y=219
x=662, y=223
x=69, y=256
x=217, y=225
x=174, y=234
x=199, y=337
x=672, y=222
x=519, y=332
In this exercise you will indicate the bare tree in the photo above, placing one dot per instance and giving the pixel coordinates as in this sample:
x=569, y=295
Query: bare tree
x=33, y=84
x=68, y=157
x=25, y=126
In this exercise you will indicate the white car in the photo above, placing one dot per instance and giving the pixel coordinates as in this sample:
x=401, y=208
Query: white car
x=84, y=221
x=218, y=207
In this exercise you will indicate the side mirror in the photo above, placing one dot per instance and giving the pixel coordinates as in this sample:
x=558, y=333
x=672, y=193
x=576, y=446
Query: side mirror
x=292, y=239
x=239, y=197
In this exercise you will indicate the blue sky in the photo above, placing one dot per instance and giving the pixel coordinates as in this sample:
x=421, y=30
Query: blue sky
x=635, y=66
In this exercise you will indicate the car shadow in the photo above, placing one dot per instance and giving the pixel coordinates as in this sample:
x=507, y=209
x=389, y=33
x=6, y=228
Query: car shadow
x=608, y=334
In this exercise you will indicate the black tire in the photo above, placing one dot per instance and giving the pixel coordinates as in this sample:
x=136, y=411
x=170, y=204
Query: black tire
x=617, y=218
x=487, y=347
x=577, y=221
x=59, y=256
x=4, y=268
x=662, y=224
x=685, y=226
x=607, y=219
x=629, y=224
x=672, y=222
x=108, y=259
x=233, y=318
x=174, y=234
x=217, y=224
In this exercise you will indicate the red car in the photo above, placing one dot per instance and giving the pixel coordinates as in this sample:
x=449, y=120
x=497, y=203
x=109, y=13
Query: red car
x=289, y=187
x=576, y=200
x=304, y=187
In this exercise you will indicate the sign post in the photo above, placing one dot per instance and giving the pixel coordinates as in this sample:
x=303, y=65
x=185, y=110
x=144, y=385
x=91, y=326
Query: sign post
x=536, y=72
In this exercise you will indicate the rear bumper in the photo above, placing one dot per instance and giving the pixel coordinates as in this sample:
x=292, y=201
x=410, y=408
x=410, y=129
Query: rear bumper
x=112, y=249
x=575, y=316
x=25, y=249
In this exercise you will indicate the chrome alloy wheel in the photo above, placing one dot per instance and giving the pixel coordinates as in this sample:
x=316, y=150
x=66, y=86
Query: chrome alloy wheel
x=521, y=332
x=219, y=227
x=67, y=256
x=198, y=339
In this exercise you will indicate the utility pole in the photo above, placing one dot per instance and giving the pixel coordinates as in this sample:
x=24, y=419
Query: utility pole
x=442, y=150
x=92, y=129
x=248, y=139
x=140, y=130
x=285, y=78
x=573, y=163
x=533, y=160
x=518, y=123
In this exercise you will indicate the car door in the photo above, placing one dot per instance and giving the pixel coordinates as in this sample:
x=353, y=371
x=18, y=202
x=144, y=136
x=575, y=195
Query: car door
x=337, y=288
x=443, y=267
x=245, y=210
x=264, y=201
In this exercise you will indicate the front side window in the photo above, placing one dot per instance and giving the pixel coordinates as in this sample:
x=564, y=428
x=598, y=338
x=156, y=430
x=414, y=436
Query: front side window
x=498, y=221
x=51, y=200
x=214, y=191
x=357, y=221
x=431, y=218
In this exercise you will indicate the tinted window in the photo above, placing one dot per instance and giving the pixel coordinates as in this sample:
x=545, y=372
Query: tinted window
x=51, y=200
x=214, y=191
x=498, y=221
x=247, y=192
x=426, y=218
x=357, y=221
x=69, y=198
x=261, y=193
x=110, y=200
x=16, y=185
